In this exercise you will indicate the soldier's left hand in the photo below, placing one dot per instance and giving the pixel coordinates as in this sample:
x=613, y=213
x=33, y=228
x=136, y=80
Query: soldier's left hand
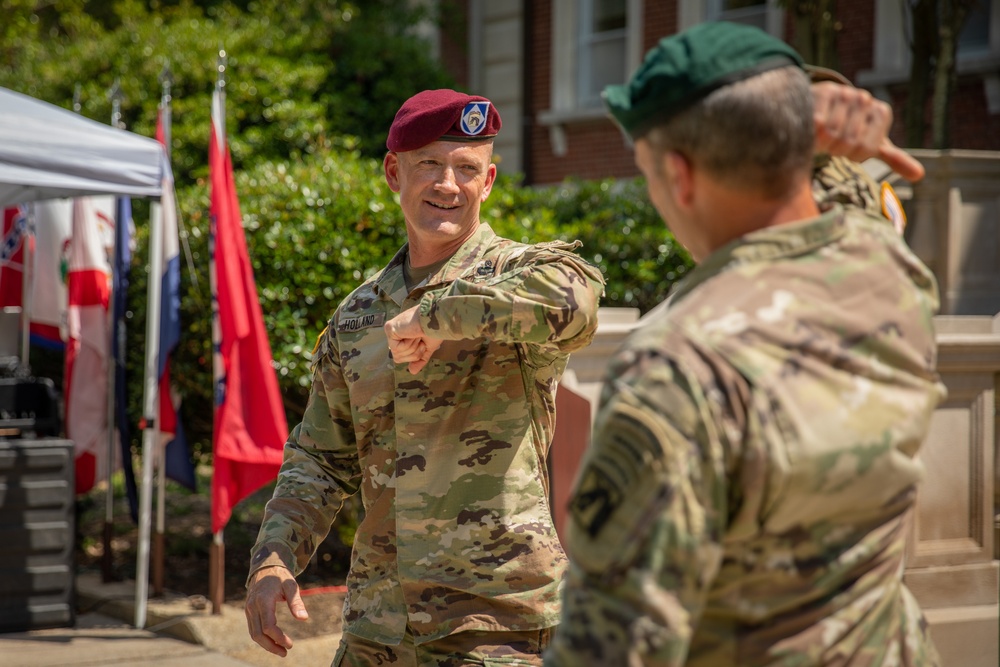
x=851, y=123
x=408, y=343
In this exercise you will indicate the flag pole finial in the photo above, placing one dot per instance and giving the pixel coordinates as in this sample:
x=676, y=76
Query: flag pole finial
x=116, y=96
x=166, y=81
x=221, y=64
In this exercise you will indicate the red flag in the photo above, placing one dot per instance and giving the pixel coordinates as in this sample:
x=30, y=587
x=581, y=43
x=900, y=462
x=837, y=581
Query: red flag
x=86, y=380
x=250, y=426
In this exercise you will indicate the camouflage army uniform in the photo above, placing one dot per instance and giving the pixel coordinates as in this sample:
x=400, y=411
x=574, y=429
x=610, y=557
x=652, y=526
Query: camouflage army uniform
x=457, y=533
x=753, y=469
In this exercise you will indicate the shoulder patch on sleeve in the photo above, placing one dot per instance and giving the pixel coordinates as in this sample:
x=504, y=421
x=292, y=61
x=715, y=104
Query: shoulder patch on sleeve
x=319, y=339
x=625, y=459
x=892, y=208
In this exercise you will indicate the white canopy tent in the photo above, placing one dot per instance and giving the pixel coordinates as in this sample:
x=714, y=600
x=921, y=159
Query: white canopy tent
x=47, y=152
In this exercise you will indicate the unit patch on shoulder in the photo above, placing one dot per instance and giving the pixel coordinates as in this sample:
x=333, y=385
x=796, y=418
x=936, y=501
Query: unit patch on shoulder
x=596, y=499
x=319, y=339
x=892, y=208
x=359, y=322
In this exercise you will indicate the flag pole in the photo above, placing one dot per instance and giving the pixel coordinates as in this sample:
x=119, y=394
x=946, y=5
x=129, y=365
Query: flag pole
x=161, y=458
x=27, y=277
x=150, y=405
x=107, y=557
x=217, y=552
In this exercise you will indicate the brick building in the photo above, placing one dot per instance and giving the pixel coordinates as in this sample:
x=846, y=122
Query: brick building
x=544, y=63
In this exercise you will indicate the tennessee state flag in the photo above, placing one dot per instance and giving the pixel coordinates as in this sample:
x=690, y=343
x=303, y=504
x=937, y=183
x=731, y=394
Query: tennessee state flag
x=250, y=426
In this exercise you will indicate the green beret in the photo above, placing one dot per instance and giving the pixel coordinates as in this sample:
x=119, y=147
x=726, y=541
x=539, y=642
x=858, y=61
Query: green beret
x=685, y=67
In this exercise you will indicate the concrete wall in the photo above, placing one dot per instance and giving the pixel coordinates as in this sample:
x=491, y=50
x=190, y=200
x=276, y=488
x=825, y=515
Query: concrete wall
x=954, y=226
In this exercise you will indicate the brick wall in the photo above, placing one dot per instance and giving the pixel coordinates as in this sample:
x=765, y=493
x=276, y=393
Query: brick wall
x=595, y=149
x=454, y=42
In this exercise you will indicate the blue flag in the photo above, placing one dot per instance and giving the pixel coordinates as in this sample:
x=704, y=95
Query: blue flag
x=177, y=457
x=120, y=280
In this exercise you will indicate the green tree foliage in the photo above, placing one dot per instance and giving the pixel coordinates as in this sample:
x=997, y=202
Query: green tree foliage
x=312, y=86
x=299, y=72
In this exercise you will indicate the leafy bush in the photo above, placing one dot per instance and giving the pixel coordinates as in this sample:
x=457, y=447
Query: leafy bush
x=620, y=230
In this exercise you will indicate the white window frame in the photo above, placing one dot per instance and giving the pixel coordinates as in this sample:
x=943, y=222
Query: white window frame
x=693, y=12
x=566, y=105
x=586, y=41
x=892, y=54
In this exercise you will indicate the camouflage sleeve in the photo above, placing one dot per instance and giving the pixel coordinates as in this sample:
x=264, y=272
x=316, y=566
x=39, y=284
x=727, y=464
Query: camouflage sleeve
x=837, y=180
x=647, y=518
x=320, y=470
x=544, y=296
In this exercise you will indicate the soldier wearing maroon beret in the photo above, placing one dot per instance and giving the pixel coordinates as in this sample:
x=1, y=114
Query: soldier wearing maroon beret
x=433, y=396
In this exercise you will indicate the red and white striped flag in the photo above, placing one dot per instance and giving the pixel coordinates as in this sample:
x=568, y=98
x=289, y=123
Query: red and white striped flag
x=86, y=379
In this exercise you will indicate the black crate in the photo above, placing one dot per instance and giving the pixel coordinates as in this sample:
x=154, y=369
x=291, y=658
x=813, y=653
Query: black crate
x=37, y=571
x=29, y=407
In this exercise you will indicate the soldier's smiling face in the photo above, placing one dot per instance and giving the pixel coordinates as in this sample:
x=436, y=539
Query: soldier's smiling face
x=441, y=187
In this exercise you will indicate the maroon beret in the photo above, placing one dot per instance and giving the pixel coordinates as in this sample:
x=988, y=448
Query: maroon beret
x=444, y=115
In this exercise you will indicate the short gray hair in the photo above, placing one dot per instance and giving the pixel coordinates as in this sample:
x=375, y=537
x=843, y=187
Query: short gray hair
x=753, y=134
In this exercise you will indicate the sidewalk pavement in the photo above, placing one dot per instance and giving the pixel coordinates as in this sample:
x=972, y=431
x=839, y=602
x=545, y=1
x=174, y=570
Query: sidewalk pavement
x=179, y=631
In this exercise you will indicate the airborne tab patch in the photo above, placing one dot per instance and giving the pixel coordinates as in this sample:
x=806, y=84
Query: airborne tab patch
x=367, y=321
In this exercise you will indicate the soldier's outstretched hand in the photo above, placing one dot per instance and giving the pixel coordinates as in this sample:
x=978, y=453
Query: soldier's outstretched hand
x=851, y=123
x=267, y=587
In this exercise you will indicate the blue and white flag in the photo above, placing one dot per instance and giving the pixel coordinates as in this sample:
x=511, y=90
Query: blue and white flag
x=177, y=457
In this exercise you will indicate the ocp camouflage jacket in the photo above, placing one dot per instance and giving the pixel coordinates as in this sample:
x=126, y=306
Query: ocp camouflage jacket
x=451, y=462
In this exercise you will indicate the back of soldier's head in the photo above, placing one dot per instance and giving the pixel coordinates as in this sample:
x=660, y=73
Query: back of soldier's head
x=730, y=98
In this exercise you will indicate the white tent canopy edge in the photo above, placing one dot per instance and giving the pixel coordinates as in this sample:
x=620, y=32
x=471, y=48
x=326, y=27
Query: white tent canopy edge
x=47, y=152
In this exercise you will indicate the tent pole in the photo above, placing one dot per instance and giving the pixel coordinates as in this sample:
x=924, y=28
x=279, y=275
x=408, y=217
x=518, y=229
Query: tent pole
x=158, y=535
x=150, y=403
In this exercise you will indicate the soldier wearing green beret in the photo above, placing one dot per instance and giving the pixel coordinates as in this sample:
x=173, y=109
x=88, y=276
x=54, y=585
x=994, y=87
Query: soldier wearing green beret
x=753, y=470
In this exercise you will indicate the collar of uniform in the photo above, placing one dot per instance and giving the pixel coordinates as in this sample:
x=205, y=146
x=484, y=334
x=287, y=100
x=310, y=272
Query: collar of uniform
x=766, y=245
x=392, y=283
x=468, y=256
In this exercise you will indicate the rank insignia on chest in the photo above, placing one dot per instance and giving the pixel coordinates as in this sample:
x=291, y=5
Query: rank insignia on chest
x=485, y=268
x=359, y=322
